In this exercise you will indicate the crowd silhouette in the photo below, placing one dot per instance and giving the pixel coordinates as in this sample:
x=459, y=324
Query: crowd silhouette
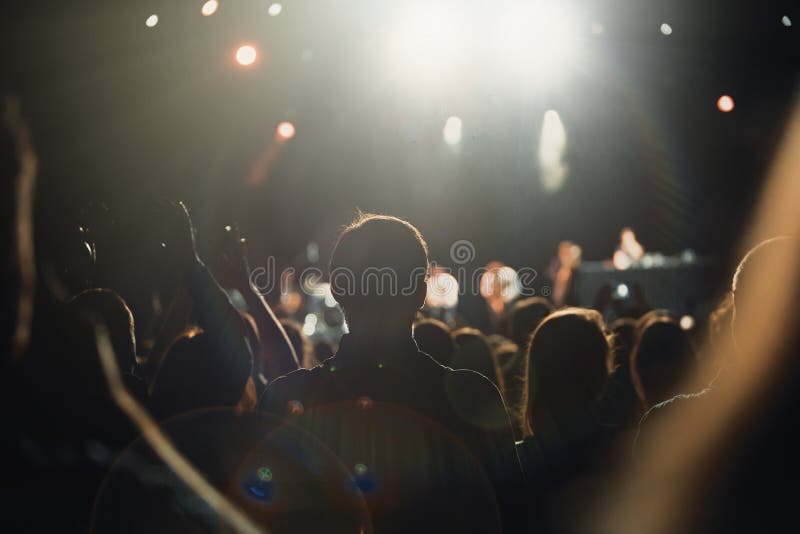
x=408, y=424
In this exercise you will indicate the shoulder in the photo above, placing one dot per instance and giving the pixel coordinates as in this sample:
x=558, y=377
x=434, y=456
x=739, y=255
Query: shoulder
x=290, y=386
x=475, y=398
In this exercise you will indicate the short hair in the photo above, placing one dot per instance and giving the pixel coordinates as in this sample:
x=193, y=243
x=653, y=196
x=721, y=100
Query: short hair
x=433, y=338
x=526, y=315
x=661, y=360
x=368, y=246
x=775, y=248
x=566, y=366
x=474, y=352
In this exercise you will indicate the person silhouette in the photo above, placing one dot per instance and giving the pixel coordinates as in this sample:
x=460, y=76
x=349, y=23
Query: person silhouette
x=439, y=441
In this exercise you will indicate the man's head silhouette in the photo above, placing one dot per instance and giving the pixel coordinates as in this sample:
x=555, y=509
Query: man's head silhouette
x=378, y=271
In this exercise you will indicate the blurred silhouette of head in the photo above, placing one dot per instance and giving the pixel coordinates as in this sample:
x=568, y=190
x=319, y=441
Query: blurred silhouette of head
x=433, y=338
x=378, y=273
x=105, y=306
x=624, y=331
x=526, y=315
x=474, y=352
x=661, y=360
x=566, y=369
x=197, y=372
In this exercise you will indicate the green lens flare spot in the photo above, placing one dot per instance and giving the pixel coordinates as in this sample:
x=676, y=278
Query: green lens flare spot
x=264, y=474
x=360, y=469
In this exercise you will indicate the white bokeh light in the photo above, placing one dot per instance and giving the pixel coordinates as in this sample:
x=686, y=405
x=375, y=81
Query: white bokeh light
x=151, y=21
x=552, y=147
x=452, y=131
x=274, y=9
x=666, y=29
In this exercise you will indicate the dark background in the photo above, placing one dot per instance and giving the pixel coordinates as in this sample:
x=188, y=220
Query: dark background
x=125, y=114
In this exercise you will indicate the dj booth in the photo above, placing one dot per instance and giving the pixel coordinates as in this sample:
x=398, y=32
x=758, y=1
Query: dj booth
x=681, y=284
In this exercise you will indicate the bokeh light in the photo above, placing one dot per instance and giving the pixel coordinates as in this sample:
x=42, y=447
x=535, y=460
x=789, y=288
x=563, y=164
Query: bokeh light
x=452, y=131
x=687, y=322
x=666, y=29
x=725, y=103
x=442, y=291
x=274, y=9
x=209, y=8
x=426, y=44
x=246, y=55
x=285, y=131
x=552, y=147
x=786, y=21
x=151, y=21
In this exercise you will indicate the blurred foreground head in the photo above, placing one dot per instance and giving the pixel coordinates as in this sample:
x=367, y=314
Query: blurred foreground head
x=378, y=271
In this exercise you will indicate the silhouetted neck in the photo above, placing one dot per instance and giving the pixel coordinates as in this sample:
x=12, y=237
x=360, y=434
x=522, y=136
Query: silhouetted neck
x=368, y=348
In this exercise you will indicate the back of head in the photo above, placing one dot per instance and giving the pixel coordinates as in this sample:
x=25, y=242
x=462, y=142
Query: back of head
x=526, y=315
x=474, y=352
x=379, y=264
x=198, y=373
x=566, y=367
x=433, y=338
x=624, y=331
x=661, y=360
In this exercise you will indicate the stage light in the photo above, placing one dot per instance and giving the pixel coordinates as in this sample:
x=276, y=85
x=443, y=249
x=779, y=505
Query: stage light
x=452, y=131
x=538, y=40
x=725, y=104
x=246, y=55
x=666, y=29
x=552, y=146
x=285, y=131
x=274, y=9
x=209, y=8
x=151, y=21
x=426, y=44
x=687, y=322
x=786, y=21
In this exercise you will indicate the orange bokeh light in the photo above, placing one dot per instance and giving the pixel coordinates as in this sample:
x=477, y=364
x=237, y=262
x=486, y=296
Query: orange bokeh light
x=246, y=55
x=725, y=103
x=285, y=131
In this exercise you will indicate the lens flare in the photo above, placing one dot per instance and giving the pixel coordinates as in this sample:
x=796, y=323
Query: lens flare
x=452, y=131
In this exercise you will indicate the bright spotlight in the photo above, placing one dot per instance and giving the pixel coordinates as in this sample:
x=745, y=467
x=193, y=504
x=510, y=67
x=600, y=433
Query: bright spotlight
x=209, y=8
x=725, y=103
x=426, y=44
x=786, y=21
x=274, y=9
x=666, y=29
x=452, y=131
x=246, y=55
x=285, y=131
x=151, y=21
x=540, y=40
x=687, y=322
x=552, y=146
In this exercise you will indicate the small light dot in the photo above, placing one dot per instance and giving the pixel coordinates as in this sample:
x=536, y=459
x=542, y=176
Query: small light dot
x=151, y=21
x=265, y=474
x=332, y=368
x=285, y=131
x=725, y=104
x=275, y=9
x=666, y=29
x=360, y=469
x=246, y=55
x=364, y=403
x=227, y=228
x=295, y=407
x=786, y=21
x=380, y=366
x=687, y=322
x=209, y=8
